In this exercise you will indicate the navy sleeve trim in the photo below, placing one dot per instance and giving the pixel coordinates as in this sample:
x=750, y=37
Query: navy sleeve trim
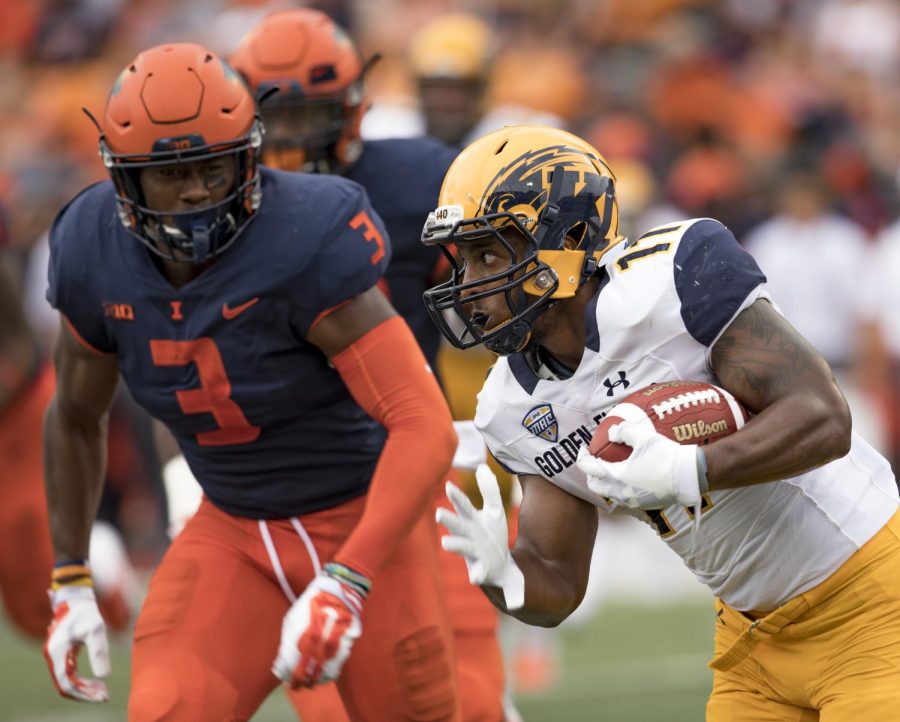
x=592, y=333
x=506, y=468
x=522, y=372
x=713, y=277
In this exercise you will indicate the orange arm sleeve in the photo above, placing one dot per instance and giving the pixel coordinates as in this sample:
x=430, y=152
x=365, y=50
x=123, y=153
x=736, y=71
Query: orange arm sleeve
x=388, y=376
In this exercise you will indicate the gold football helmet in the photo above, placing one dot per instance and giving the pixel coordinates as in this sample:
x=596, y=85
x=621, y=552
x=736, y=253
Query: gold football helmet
x=450, y=58
x=455, y=45
x=553, y=189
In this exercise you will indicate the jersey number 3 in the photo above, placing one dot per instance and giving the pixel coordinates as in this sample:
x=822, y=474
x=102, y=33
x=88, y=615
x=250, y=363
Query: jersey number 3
x=214, y=394
x=370, y=233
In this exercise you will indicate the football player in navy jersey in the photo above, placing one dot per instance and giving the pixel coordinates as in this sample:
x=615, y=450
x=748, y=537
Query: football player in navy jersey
x=240, y=306
x=309, y=75
x=792, y=521
x=313, y=125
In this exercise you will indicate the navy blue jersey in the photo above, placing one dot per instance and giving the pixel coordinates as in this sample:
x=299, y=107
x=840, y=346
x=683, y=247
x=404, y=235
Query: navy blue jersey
x=403, y=178
x=267, y=426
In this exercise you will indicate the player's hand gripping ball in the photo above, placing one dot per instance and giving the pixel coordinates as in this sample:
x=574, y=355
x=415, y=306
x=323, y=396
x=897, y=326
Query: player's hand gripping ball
x=644, y=452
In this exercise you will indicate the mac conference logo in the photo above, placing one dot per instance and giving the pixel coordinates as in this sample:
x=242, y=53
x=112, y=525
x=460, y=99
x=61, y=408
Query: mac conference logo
x=541, y=422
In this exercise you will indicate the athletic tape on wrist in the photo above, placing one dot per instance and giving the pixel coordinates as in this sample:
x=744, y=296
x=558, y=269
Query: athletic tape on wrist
x=702, y=481
x=344, y=574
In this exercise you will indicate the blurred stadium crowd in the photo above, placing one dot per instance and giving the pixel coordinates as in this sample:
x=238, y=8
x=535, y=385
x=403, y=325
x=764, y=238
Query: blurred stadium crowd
x=778, y=117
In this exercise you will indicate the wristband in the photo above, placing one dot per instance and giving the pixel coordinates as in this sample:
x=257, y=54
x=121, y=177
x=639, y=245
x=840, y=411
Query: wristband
x=356, y=581
x=71, y=573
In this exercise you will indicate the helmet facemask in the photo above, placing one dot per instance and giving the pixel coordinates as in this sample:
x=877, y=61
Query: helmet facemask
x=458, y=296
x=562, y=246
x=311, y=134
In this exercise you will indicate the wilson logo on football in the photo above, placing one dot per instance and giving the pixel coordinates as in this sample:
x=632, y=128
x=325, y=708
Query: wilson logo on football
x=698, y=430
x=541, y=421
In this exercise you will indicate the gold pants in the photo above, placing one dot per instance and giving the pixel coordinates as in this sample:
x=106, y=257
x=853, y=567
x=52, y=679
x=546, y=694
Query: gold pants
x=831, y=654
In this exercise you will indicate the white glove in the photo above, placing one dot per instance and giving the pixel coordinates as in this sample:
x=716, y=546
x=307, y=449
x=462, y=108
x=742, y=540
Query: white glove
x=77, y=622
x=470, y=449
x=182, y=492
x=318, y=632
x=659, y=472
x=481, y=536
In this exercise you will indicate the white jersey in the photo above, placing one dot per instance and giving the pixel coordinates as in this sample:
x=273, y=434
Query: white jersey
x=663, y=303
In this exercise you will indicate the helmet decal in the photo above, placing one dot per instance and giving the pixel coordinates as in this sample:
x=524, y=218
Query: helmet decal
x=526, y=184
x=516, y=184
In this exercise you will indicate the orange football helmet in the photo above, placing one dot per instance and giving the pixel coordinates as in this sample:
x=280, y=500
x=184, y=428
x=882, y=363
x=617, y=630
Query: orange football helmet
x=313, y=121
x=179, y=103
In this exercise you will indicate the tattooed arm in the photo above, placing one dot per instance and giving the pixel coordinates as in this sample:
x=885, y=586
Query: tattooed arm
x=802, y=418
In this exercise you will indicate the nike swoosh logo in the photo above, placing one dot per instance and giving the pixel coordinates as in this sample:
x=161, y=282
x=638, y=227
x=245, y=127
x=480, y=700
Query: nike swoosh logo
x=230, y=313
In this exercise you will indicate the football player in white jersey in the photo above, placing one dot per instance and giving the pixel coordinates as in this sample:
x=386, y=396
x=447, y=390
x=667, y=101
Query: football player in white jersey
x=798, y=534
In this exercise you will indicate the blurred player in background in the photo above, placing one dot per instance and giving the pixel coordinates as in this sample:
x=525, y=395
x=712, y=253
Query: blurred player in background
x=791, y=521
x=450, y=57
x=26, y=555
x=240, y=304
x=466, y=87
x=312, y=124
x=26, y=385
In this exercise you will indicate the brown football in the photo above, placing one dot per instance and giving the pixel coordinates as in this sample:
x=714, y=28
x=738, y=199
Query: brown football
x=689, y=412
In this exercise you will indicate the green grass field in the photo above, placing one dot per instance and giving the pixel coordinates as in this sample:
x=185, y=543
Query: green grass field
x=633, y=664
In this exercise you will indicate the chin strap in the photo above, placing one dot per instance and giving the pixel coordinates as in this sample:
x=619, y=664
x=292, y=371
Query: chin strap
x=200, y=241
x=513, y=339
x=195, y=235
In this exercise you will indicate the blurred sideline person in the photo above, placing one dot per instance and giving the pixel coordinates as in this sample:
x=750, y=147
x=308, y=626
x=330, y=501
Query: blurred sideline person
x=791, y=521
x=832, y=250
x=881, y=299
x=240, y=304
x=313, y=124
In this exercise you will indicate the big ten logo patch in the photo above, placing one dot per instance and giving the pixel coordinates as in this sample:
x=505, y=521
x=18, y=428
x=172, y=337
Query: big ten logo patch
x=118, y=311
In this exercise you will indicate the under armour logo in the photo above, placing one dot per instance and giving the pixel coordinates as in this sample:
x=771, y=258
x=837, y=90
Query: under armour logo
x=610, y=385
